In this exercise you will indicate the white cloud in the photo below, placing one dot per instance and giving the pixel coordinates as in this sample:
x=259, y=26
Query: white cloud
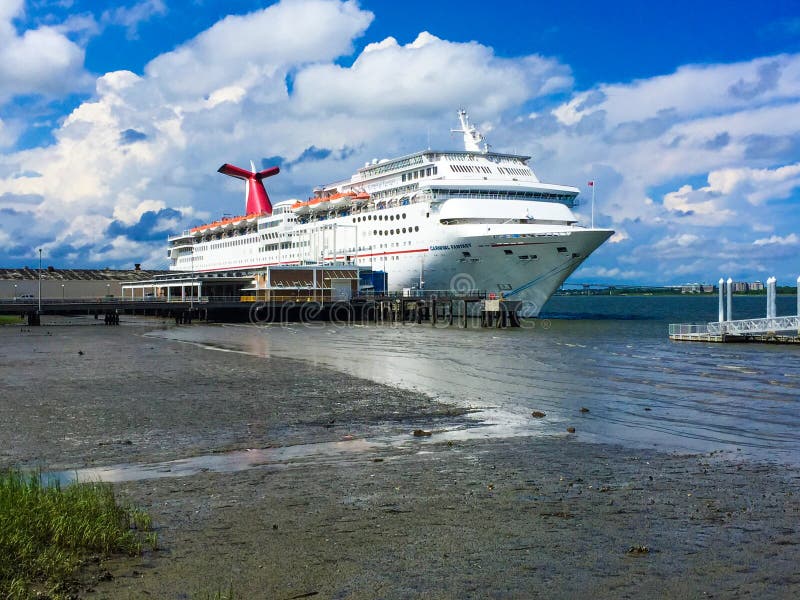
x=38, y=61
x=619, y=236
x=256, y=50
x=758, y=185
x=725, y=87
x=131, y=16
x=424, y=76
x=788, y=240
x=609, y=273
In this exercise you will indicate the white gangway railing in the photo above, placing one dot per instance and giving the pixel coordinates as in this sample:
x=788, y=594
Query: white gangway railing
x=687, y=329
x=754, y=326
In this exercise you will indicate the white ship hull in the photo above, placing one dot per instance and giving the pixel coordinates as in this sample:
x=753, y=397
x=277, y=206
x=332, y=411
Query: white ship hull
x=517, y=276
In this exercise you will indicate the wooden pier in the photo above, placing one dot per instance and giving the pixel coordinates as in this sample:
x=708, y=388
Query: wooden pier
x=450, y=310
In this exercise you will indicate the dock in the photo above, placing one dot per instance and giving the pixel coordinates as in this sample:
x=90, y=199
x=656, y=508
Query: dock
x=771, y=329
x=277, y=294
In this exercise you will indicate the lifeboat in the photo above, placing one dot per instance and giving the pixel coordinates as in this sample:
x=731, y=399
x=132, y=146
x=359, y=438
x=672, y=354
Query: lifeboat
x=300, y=208
x=341, y=200
x=225, y=223
x=319, y=204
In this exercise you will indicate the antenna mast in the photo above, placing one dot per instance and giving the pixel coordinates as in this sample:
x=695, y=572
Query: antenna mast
x=472, y=137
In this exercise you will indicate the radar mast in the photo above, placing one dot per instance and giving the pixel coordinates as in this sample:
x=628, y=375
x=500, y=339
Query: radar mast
x=472, y=137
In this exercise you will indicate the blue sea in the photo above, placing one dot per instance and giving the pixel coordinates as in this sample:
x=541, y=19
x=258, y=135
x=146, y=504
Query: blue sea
x=609, y=355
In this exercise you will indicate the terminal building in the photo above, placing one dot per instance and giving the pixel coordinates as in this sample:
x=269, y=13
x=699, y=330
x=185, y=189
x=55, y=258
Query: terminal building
x=61, y=284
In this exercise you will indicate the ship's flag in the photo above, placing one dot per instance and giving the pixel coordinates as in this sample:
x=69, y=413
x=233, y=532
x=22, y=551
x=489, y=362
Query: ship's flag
x=591, y=184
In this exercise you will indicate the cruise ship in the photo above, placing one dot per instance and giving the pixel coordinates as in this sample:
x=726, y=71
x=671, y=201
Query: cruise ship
x=463, y=221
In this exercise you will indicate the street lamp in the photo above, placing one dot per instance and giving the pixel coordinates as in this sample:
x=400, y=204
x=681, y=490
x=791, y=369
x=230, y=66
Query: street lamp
x=40, y=280
x=15, y=292
x=191, y=288
x=108, y=291
x=62, y=292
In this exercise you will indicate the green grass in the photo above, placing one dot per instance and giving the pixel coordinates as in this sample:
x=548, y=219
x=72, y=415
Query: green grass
x=10, y=320
x=46, y=531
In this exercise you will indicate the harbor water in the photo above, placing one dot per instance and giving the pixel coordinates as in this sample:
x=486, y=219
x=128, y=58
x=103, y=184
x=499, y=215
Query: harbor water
x=601, y=364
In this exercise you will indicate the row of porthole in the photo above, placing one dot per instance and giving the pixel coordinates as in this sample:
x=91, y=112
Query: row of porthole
x=379, y=217
x=394, y=231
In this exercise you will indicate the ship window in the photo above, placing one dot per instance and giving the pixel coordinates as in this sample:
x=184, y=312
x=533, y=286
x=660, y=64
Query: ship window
x=507, y=251
x=404, y=229
x=562, y=249
x=466, y=254
x=403, y=177
x=575, y=255
x=404, y=215
x=524, y=257
x=416, y=228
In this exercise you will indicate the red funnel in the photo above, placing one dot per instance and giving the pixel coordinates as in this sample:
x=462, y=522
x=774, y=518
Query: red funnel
x=257, y=198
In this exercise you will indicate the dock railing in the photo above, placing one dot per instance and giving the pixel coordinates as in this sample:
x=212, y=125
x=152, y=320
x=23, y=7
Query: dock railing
x=754, y=326
x=688, y=329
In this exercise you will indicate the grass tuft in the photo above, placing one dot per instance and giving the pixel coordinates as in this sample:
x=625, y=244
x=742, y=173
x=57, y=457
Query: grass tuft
x=219, y=594
x=46, y=530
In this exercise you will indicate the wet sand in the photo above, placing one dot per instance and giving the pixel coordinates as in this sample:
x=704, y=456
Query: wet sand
x=521, y=517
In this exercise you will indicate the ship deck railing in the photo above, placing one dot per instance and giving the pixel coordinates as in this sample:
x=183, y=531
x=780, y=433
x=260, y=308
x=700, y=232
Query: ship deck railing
x=428, y=294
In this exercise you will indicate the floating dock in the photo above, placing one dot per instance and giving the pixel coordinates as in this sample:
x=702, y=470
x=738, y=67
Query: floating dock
x=771, y=329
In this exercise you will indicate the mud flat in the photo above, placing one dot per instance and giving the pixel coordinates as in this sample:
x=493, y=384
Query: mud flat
x=362, y=508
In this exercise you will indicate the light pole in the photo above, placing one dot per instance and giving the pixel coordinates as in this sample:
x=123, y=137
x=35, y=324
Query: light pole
x=191, y=288
x=62, y=292
x=15, y=294
x=40, y=280
x=108, y=291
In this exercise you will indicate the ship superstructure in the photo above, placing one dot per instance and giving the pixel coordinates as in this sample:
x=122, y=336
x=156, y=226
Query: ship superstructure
x=433, y=220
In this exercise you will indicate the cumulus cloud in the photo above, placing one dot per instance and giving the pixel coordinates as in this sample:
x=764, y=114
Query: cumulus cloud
x=425, y=75
x=40, y=61
x=256, y=51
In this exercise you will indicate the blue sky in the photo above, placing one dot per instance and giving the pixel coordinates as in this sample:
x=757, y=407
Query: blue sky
x=115, y=115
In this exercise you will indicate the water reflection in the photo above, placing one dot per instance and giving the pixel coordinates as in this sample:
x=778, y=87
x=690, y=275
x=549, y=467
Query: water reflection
x=640, y=389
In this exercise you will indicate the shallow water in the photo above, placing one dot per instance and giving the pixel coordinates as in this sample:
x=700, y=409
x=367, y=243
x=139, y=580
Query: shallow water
x=610, y=355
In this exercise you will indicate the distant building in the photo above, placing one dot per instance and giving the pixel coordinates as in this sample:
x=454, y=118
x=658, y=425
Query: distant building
x=756, y=286
x=697, y=288
x=740, y=286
